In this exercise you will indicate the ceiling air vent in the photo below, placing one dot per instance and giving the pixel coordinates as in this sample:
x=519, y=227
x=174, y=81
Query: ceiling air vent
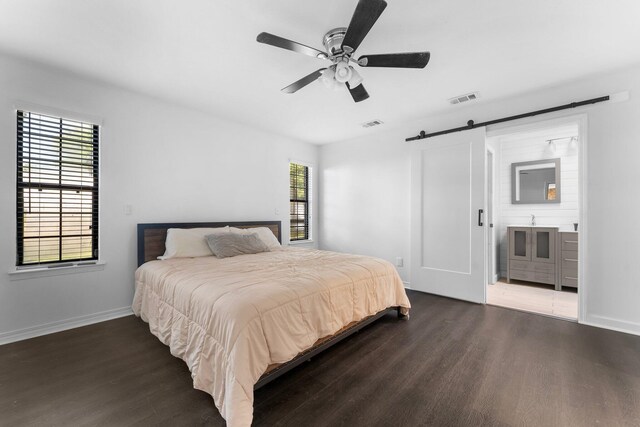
x=464, y=98
x=372, y=123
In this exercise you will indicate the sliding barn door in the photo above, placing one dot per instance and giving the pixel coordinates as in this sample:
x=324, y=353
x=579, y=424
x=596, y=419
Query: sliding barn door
x=447, y=219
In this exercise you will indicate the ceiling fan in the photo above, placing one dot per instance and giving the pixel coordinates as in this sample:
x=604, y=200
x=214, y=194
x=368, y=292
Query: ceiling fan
x=340, y=44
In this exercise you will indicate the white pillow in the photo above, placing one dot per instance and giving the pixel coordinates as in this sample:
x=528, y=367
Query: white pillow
x=264, y=233
x=189, y=242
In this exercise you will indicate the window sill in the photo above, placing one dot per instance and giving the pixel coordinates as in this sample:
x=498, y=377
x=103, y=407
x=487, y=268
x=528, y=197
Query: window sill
x=300, y=242
x=37, y=272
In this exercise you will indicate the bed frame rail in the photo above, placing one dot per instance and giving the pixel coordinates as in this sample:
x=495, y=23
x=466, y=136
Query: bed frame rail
x=313, y=351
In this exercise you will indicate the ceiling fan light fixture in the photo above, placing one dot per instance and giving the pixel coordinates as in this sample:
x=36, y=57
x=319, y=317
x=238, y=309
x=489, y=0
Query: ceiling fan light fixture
x=327, y=78
x=343, y=72
x=340, y=45
x=355, y=79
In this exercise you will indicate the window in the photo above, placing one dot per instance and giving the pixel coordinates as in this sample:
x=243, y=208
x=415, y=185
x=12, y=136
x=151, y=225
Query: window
x=551, y=191
x=299, y=198
x=57, y=190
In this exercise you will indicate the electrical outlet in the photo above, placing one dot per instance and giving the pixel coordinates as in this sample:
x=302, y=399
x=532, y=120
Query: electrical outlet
x=399, y=262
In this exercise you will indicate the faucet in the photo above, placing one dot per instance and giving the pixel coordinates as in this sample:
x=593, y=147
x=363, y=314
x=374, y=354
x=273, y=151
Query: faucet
x=533, y=220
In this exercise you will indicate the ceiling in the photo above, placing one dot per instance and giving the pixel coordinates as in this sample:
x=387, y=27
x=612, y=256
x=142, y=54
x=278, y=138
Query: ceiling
x=203, y=53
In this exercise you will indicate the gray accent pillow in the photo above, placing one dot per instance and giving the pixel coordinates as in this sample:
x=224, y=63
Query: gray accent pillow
x=228, y=244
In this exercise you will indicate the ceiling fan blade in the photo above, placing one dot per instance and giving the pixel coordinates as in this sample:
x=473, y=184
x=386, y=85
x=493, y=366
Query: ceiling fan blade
x=358, y=93
x=294, y=87
x=396, y=60
x=366, y=14
x=282, y=43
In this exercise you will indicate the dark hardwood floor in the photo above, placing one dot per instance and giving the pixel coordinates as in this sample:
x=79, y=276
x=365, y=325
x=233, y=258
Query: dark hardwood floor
x=451, y=364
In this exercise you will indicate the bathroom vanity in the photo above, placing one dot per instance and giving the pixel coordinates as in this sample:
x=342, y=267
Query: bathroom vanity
x=532, y=254
x=543, y=255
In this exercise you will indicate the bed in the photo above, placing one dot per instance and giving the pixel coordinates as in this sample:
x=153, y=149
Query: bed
x=241, y=322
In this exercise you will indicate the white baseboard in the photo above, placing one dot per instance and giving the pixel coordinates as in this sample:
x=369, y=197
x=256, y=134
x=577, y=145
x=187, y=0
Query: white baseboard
x=63, y=325
x=407, y=285
x=613, y=324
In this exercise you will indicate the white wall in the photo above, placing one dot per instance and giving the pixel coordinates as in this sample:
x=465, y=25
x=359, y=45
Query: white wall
x=365, y=192
x=169, y=163
x=529, y=146
x=364, y=199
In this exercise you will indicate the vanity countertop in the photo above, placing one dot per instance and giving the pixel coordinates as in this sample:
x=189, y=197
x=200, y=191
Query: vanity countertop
x=533, y=226
x=563, y=229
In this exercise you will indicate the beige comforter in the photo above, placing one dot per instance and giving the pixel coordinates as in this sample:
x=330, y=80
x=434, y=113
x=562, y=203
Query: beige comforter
x=229, y=319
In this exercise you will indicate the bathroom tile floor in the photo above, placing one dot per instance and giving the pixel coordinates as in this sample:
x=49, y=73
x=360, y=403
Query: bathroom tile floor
x=535, y=298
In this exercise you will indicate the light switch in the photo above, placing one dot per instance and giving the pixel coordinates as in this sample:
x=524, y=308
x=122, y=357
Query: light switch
x=127, y=209
x=399, y=262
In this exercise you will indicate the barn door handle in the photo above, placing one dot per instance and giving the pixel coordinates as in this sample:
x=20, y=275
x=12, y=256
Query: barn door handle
x=480, y=212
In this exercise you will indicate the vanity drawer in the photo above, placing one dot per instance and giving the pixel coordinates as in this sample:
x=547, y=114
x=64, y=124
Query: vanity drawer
x=542, y=267
x=569, y=241
x=533, y=276
x=569, y=262
x=571, y=281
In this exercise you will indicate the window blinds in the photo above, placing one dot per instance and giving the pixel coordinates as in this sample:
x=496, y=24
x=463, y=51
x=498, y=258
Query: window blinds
x=57, y=189
x=299, y=202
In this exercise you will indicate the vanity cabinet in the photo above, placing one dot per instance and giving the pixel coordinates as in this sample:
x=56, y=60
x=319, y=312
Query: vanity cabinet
x=568, y=259
x=532, y=254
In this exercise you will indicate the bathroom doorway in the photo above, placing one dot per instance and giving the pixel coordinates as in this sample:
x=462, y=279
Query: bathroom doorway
x=533, y=212
x=492, y=277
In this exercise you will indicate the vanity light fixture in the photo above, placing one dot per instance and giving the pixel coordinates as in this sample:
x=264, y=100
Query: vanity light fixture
x=551, y=147
x=573, y=144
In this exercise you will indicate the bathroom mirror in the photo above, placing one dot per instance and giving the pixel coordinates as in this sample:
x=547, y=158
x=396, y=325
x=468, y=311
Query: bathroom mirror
x=535, y=182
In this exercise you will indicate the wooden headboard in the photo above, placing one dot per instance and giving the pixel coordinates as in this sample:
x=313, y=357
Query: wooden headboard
x=151, y=237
